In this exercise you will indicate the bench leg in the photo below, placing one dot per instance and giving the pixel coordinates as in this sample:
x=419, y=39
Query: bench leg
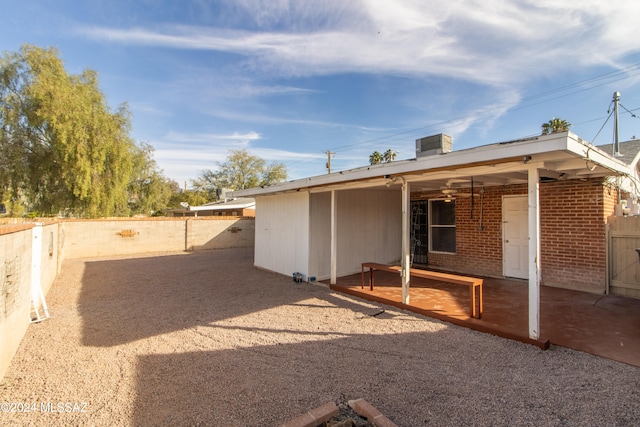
x=476, y=313
x=370, y=278
x=473, y=300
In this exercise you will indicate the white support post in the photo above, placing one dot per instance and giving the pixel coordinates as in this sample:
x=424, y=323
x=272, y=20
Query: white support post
x=534, y=252
x=406, y=251
x=37, y=295
x=334, y=243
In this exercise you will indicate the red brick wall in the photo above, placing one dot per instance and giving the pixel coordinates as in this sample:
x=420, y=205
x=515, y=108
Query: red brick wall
x=572, y=226
x=573, y=216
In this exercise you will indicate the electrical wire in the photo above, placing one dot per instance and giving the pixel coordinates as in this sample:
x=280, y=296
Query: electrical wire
x=602, y=127
x=603, y=79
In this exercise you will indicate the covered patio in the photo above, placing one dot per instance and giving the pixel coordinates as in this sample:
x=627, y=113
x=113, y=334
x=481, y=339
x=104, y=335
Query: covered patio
x=515, y=209
x=603, y=325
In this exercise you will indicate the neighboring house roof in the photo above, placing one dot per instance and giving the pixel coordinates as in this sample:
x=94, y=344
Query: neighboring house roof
x=208, y=208
x=557, y=156
x=239, y=203
x=628, y=149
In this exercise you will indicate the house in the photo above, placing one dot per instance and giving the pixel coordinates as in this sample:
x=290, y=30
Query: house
x=245, y=207
x=534, y=209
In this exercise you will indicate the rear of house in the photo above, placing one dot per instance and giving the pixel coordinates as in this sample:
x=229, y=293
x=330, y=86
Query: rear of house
x=468, y=212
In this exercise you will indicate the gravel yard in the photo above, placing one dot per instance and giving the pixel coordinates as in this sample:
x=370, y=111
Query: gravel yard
x=205, y=338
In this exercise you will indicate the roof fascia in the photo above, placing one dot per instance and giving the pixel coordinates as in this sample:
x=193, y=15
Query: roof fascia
x=485, y=155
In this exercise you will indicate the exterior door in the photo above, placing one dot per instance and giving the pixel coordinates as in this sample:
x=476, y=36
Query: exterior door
x=515, y=236
x=419, y=232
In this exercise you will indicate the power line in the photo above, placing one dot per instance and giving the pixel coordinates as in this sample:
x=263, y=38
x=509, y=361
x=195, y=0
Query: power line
x=603, y=79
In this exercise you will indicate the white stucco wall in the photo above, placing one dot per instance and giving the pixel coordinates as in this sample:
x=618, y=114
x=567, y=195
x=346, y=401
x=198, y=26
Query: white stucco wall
x=282, y=233
x=320, y=237
x=369, y=228
x=293, y=231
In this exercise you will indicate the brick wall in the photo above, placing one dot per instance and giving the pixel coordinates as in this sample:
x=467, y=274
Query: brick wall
x=572, y=233
x=572, y=221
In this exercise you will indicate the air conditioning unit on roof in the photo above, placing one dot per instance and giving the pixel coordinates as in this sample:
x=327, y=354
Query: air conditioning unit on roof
x=434, y=144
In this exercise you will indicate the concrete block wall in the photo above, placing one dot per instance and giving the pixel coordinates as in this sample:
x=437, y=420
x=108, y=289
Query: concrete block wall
x=16, y=276
x=221, y=233
x=117, y=237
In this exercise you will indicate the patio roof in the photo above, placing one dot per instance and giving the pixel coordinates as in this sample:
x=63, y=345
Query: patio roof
x=558, y=156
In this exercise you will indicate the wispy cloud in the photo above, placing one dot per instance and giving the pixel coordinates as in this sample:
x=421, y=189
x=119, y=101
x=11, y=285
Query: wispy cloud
x=197, y=153
x=486, y=41
x=200, y=138
x=455, y=66
x=251, y=90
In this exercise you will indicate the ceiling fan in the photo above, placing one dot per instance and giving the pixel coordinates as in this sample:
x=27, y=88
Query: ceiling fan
x=449, y=194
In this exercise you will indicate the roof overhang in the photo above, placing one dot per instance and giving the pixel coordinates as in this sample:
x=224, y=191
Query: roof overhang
x=558, y=156
x=223, y=207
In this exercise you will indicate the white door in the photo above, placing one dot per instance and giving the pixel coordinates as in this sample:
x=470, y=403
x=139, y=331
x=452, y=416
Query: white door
x=515, y=236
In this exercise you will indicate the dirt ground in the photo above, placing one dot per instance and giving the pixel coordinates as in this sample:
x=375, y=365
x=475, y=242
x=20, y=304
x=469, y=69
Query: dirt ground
x=205, y=338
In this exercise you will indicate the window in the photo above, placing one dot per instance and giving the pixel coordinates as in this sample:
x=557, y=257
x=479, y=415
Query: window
x=442, y=226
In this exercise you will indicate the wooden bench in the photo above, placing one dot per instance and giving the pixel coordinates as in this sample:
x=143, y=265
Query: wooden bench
x=472, y=282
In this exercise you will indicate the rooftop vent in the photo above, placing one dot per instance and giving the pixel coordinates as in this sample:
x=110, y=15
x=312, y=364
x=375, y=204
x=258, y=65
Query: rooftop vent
x=434, y=144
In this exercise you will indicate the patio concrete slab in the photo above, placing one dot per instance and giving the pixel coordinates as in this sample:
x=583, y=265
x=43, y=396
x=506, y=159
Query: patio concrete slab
x=603, y=325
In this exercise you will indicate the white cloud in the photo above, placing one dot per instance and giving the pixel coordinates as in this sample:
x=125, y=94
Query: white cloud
x=187, y=164
x=486, y=41
x=205, y=138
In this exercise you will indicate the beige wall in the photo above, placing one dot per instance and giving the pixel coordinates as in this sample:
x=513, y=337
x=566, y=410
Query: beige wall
x=115, y=237
x=16, y=265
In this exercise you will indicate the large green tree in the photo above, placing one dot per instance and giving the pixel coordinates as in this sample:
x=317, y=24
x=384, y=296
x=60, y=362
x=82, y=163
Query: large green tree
x=239, y=171
x=149, y=190
x=62, y=149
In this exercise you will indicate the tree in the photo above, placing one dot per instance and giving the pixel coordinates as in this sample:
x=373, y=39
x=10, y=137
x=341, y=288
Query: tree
x=376, y=158
x=389, y=156
x=241, y=170
x=62, y=149
x=149, y=190
x=191, y=197
x=554, y=126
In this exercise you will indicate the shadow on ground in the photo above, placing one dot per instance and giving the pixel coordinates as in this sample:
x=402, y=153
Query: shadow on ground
x=231, y=345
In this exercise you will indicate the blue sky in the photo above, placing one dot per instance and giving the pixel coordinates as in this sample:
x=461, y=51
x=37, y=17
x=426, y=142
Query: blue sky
x=289, y=80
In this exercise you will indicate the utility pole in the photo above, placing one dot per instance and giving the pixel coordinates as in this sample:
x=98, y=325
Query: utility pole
x=329, y=154
x=616, y=144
